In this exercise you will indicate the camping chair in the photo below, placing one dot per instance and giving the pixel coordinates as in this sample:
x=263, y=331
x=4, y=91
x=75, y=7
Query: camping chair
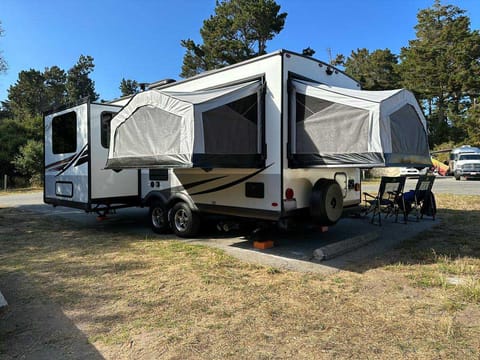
x=387, y=200
x=421, y=199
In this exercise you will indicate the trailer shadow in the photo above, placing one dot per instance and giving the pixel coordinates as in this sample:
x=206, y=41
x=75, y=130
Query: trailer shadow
x=294, y=250
x=34, y=327
x=456, y=236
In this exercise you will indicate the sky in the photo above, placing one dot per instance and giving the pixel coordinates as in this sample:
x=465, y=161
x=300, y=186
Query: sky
x=140, y=39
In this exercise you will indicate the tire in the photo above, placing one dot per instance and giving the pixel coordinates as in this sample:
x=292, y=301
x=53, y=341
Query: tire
x=158, y=216
x=326, y=203
x=457, y=177
x=184, y=221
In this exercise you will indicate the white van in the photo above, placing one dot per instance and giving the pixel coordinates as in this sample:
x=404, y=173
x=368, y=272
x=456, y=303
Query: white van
x=465, y=162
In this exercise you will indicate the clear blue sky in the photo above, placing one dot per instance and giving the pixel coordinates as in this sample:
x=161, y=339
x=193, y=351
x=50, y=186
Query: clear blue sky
x=140, y=39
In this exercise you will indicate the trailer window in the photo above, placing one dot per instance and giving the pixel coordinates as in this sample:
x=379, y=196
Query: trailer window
x=64, y=133
x=232, y=128
x=105, y=120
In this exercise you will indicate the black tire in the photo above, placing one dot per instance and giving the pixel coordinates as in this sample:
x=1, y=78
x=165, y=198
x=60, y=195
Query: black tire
x=158, y=216
x=457, y=177
x=184, y=221
x=326, y=203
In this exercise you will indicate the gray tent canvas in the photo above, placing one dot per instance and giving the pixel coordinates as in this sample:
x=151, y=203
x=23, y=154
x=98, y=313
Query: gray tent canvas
x=333, y=126
x=162, y=129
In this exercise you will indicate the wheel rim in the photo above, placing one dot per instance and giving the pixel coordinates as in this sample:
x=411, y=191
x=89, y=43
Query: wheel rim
x=181, y=220
x=334, y=206
x=158, y=219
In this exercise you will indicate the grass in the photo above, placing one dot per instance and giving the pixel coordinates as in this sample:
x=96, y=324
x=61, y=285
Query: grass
x=155, y=296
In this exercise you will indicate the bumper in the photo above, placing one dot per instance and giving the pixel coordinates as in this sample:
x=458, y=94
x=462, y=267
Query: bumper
x=469, y=174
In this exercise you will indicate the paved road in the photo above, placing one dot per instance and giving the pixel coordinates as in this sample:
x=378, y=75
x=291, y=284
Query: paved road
x=442, y=185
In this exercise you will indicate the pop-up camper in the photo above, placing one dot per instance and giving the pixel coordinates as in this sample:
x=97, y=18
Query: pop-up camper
x=273, y=138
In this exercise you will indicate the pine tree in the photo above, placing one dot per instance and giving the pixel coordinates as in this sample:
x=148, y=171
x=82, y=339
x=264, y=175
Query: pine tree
x=442, y=67
x=238, y=30
x=375, y=71
x=79, y=85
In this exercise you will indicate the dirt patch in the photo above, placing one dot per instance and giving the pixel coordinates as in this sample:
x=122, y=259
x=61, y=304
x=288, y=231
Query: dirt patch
x=90, y=293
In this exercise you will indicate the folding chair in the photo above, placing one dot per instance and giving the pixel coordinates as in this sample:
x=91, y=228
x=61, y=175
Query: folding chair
x=422, y=195
x=387, y=200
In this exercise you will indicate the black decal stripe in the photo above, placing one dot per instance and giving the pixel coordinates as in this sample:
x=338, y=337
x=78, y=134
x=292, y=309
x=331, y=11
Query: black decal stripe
x=233, y=183
x=73, y=160
x=84, y=157
x=59, y=164
x=189, y=186
x=196, y=183
x=81, y=161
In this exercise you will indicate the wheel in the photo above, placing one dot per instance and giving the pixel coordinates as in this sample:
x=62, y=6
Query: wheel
x=326, y=203
x=184, y=221
x=158, y=216
x=457, y=177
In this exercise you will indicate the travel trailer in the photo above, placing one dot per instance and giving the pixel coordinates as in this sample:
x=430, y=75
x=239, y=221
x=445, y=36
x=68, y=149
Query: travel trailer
x=76, y=149
x=275, y=138
x=465, y=162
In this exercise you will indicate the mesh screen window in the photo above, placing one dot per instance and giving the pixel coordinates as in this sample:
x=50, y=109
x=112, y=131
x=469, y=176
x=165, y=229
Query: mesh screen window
x=232, y=128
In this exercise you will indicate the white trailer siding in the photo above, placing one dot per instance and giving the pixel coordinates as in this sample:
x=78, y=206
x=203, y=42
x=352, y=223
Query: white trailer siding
x=75, y=173
x=66, y=179
x=106, y=183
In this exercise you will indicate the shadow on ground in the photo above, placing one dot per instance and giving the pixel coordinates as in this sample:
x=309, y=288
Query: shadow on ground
x=34, y=327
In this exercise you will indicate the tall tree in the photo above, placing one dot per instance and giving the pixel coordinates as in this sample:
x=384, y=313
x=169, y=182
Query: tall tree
x=375, y=70
x=12, y=137
x=3, y=63
x=27, y=97
x=21, y=115
x=129, y=87
x=472, y=124
x=36, y=91
x=55, y=86
x=79, y=84
x=442, y=66
x=238, y=30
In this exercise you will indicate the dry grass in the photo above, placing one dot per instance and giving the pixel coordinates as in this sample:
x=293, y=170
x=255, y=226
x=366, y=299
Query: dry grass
x=20, y=190
x=156, y=297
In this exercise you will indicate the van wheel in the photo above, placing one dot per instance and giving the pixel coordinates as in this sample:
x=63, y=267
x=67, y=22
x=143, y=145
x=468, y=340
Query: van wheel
x=184, y=221
x=326, y=203
x=457, y=177
x=158, y=216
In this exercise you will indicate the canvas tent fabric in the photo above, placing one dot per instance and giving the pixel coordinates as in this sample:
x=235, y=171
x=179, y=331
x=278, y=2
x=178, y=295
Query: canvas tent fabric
x=333, y=126
x=166, y=129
